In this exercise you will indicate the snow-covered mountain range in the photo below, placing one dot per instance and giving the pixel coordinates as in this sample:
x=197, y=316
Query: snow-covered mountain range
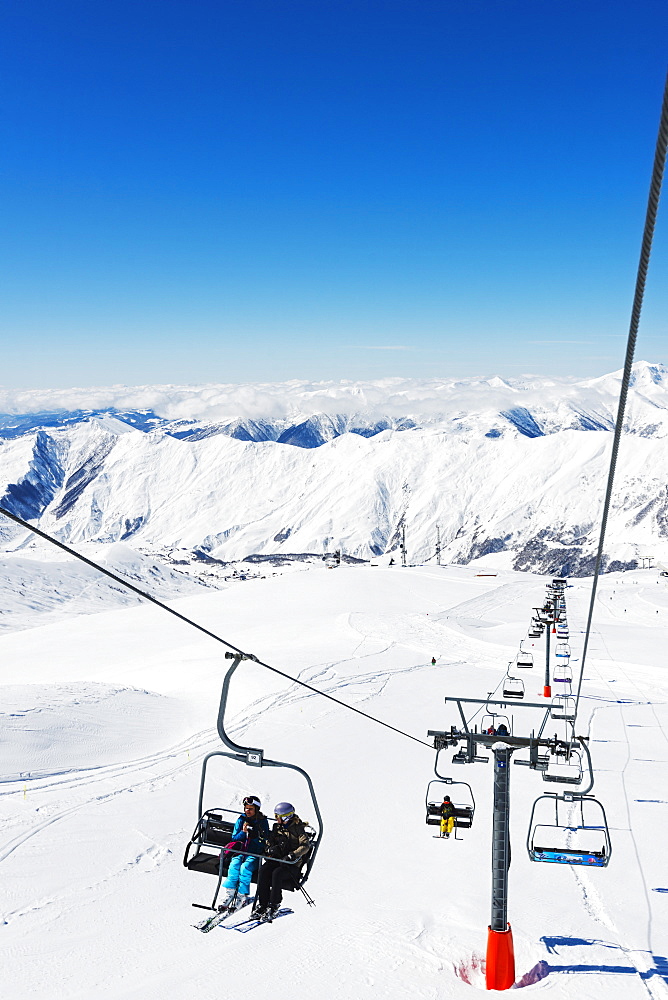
x=227, y=472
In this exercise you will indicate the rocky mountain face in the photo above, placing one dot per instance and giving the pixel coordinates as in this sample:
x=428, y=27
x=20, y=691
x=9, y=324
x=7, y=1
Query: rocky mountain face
x=516, y=467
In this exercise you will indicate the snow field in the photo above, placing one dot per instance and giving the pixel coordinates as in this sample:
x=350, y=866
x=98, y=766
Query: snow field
x=106, y=718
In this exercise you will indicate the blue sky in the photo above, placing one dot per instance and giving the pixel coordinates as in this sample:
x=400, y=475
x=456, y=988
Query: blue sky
x=260, y=189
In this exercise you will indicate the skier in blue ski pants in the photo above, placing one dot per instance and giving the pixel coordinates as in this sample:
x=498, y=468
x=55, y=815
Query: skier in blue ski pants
x=240, y=872
x=252, y=830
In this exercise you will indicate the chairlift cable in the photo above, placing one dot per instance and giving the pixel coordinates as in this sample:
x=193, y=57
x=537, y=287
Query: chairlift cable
x=212, y=635
x=646, y=247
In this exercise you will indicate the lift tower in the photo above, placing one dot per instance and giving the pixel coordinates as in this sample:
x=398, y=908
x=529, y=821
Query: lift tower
x=500, y=965
x=500, y=952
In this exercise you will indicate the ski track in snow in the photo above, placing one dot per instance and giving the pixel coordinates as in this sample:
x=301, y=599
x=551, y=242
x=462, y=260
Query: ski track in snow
x=363, y=686
x=641, y=961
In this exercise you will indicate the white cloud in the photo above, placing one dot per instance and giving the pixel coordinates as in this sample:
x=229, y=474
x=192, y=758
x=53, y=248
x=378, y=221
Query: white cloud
x=391, y=397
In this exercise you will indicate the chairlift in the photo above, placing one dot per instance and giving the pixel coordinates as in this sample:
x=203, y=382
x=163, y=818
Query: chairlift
x=580, y=839
x=562, y=674
x=494, y=721
x=513, y=687
x=562, y=650
x=464, y=809
x=562, y=706
x=524, y=660
x=566, y=768
x=205, y=851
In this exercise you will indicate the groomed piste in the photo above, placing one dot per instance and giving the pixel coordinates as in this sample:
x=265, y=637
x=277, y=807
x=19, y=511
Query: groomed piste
x=106, y=719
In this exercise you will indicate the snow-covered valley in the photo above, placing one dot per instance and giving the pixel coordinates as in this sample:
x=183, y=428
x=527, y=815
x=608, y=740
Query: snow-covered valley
x=106, y=718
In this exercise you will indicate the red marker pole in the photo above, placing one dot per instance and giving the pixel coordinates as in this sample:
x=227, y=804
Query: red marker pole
x=500, y=963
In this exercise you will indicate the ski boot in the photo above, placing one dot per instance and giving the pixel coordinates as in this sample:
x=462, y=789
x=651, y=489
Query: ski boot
x=229, y=903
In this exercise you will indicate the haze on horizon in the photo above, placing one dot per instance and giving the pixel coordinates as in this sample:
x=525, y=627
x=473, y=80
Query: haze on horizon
x=251, y=192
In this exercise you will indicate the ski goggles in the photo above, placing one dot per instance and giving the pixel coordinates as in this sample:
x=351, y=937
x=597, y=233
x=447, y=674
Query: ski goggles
x=252, y=800
x=284, y=816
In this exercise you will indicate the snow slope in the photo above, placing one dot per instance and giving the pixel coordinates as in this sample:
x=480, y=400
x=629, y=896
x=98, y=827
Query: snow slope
x=37, y=587
x=106, y=718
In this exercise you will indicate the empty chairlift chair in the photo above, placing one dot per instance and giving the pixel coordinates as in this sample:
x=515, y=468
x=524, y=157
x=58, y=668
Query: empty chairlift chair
x=524, y=660
x=562, y=650
x=562, y=673
x=564, y=768
x=513, y=687
x=569, y=829
x=563, y=707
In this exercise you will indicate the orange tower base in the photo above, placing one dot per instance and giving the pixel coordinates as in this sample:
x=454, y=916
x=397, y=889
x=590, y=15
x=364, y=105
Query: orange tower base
x=500, y=966
x=547, y=691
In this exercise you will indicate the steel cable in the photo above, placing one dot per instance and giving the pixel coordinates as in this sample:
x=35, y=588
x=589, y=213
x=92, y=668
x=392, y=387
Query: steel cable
x=648, y=233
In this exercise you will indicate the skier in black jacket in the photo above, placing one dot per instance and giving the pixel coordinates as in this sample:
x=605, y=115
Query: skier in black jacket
x=447, y=816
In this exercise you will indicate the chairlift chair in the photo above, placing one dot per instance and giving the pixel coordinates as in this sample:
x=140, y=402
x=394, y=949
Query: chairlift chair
x=205, y=851
x=464, y=810
x=524, y=660
x=562, y=706
x=565, y=768
x=562, y=650
x=583, y=839
x=513, y=687
x=492, y=720
x=562, y=674
x=212, y=833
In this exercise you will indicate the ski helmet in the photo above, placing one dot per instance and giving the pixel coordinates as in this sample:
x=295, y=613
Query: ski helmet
x=284, y=811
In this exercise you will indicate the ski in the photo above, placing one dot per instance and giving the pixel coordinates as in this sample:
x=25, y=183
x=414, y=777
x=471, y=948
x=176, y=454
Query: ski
x=209, y=923
x=217, y=918
x=244, y=926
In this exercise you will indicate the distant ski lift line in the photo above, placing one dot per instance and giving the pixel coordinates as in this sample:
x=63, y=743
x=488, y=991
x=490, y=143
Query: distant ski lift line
x=212, y=635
